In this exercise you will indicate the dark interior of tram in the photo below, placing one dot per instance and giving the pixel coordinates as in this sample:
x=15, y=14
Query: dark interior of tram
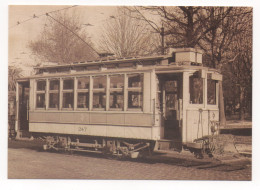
x=23, y=116
x=169, y=96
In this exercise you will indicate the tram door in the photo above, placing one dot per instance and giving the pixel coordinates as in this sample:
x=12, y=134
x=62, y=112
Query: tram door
x=23, y=109
x=170, y=94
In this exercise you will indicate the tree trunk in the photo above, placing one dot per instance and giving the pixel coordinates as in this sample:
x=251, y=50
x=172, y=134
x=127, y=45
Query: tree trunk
x=242, y=103
x=222, y=116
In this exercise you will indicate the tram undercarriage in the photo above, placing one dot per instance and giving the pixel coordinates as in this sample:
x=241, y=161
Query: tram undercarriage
x=108, y=146
x=123, y=148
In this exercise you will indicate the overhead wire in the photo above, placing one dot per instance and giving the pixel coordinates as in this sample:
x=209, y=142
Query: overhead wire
x=47, y=14
x=37, y=16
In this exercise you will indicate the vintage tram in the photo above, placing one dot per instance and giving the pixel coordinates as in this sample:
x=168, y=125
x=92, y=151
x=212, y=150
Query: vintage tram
x=123, y=106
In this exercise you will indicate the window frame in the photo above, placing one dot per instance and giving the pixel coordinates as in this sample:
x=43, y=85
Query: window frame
x=213, y=106
x=97, y=90
x=134, y=89
x=112, y=89
x=203, y=92
x=53, y=92
x=58, y=91
x=82, y=90
x=40, y=92
x=63, y=91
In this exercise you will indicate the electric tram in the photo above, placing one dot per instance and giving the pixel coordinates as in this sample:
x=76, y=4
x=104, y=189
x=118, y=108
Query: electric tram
x=125, y=106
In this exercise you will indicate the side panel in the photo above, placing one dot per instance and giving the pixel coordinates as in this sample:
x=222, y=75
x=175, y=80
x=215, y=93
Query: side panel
x=199, y=123
x=123, y=125
x=95, y=130
x=127, y=119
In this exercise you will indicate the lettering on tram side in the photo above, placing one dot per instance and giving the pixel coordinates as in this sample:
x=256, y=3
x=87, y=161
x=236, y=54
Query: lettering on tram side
x=82, y=129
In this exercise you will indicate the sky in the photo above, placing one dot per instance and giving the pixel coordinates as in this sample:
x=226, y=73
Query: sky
x=29, y=28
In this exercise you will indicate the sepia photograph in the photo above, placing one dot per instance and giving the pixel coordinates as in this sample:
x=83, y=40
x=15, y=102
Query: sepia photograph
x=131, y=92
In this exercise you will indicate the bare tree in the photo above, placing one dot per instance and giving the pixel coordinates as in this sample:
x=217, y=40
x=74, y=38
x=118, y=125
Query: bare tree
x=183, y=26
x=63, y=40
x=13, y=74
x=238, y=71
x=125, y=36
x=213, y=29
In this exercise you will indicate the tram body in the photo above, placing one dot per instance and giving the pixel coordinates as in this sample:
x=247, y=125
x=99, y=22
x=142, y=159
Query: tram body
x=122, y=105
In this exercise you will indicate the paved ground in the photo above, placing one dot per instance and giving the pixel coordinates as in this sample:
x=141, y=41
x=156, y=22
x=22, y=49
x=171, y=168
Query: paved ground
x=26, y=161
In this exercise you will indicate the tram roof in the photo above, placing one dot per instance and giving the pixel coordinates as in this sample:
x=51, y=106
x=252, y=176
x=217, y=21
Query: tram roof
x=106, y=60
x=161, y=62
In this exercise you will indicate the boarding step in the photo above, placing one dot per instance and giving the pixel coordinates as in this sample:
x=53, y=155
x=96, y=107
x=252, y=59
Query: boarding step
x=168, y=144
x=164, y=144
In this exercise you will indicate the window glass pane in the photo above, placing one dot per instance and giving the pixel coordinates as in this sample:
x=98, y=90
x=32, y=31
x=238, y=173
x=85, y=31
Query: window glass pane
x=99, y=100
x=83, y=100
x=135, y=80
x=211, y=92
x=41, y=85
x=54, y=84
x=99, y=82
x=171, y=101
x=68, y=84
x=54, y=100
x=83, y=83
x=135, y=99
x=171, y=86
x=116, y=100
x=68, y=99
x=40, y=101
x=196, y=90
x=117, y=81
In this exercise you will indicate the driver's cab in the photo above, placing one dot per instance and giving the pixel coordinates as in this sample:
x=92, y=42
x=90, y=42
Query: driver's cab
x=187, y=98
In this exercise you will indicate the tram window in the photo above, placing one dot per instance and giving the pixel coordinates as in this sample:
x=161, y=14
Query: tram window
x=99, y=92
x=211, y=92
x=54, y=94
x=40, y=94
x=40, y=100
x=135, y=100
x=41, y=85
x=171, y=97
x=135, y=80
x=83, y=100
x=54, y=100
x=171, y=100
x=68, y=84
x=99, y=100
x=83, y=92
x=196, y=90
x=117, y=81
x=116, y=100
x=67, y=93
x=171, y=86
x=83, y=83
x=135, y=91
x=54, y=84
x=99, y=82
x=68, y=99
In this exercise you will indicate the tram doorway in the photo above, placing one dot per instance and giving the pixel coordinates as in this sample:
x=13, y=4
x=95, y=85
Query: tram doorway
x=170, y=99
x=22, y=128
